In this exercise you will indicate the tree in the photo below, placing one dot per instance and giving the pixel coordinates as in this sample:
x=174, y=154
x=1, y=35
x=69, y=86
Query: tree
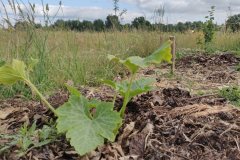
x=112, y=22
x=24, y=25
x=115, y=6
x=141, y=23
x=197, y=25
x=188, y=25
x=209, y=26
x=98, y=25
x=181, y=27
x=87, y=25
x=159, y=14
x=59, y=24
x=233, y=23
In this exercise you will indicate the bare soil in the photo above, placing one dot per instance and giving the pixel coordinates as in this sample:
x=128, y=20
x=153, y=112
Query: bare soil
x=183, y=118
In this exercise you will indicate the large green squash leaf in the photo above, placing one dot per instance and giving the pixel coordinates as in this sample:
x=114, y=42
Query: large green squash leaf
x=87, y=131
x=136, y=62
x=10, y=74
x=142, y=85
x=139, y=86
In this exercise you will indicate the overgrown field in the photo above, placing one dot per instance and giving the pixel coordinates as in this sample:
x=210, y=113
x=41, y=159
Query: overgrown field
x=81, y=57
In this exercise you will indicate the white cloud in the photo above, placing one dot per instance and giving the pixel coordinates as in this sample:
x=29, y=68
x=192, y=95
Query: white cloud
x=176, y=10
x=188, y=10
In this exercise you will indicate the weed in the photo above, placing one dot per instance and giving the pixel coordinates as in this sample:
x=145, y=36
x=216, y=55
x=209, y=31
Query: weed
x=200, y=93
x=28, y=138
x=232, y=94
x=237, y=68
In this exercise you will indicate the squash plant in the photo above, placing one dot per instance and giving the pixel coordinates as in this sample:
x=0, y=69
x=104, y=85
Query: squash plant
x=87, y=130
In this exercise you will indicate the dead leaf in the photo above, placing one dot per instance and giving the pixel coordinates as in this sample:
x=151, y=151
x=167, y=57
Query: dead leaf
x=126, y=132
x=4, y=113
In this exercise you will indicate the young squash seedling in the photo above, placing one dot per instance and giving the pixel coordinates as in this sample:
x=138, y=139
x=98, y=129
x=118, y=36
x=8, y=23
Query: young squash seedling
x=132, y=87
x=87, y=130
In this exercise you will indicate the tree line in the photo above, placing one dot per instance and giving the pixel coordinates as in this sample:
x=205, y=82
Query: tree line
x=112, y=22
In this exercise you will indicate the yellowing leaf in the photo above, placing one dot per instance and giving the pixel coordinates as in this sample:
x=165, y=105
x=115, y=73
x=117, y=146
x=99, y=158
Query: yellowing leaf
x=19, y=67
x=132, y=63
x=10, y=74
x=87, y=131
x=33, y=62
x=160, y=55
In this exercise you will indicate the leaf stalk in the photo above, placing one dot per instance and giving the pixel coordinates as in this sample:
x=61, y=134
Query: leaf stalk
x=43, y=99
x=126, y=98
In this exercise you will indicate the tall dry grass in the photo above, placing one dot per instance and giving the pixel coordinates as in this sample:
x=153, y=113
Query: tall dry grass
x=81, y=56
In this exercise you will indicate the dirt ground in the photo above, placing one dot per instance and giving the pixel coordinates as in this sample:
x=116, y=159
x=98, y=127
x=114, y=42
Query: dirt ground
x=183, y=118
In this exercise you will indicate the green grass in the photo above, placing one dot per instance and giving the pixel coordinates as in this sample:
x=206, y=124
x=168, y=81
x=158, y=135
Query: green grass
x=232, y=94
x=81, y=57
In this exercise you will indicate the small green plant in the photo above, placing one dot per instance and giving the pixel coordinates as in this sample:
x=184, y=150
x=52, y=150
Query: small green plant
x=87, y=123
x=209, y=27
x=132, y=87
x=232, y=94
x=2, y=63
x=237, y=68
x=29, y=138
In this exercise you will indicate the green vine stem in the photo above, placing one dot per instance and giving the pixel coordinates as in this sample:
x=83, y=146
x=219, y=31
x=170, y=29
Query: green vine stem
x=126, y=98
x=34, y=89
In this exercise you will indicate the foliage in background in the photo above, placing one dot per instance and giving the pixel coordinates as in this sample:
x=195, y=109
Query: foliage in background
x=209, y=27
x=141, y=23
x=233, y=23
x=114, y=22
x=232, y=94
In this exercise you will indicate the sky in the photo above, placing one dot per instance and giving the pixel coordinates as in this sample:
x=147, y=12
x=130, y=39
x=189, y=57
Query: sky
x=175, y=10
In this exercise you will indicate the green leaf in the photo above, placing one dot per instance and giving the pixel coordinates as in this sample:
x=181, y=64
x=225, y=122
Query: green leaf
x=73, y=90
x=10, y=74
x=132, y=63
x=112, y=58
x=32, y=129
x=26, y=143
x=160, y=55
x=33, y=62
x=2, y=63
x=45, y=133
x=135, y=63
x=141, y=86
x=110, y=83
x=138, y=87
x=87, y=131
